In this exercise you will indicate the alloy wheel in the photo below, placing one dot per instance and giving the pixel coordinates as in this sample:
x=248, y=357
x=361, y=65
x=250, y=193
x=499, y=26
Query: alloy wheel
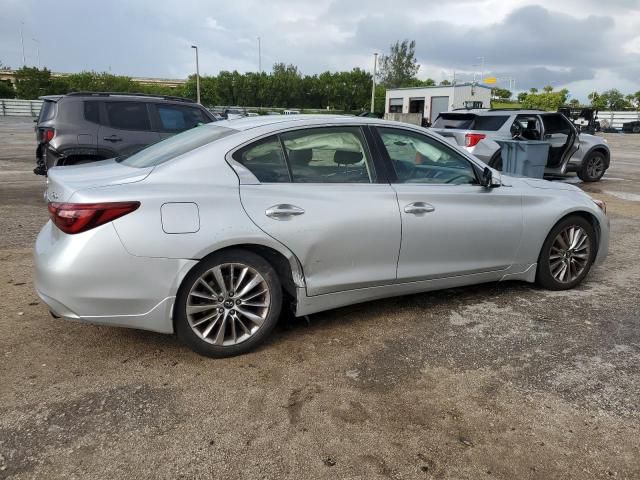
x=570, y=253
x=228, y=304
x=595, y=166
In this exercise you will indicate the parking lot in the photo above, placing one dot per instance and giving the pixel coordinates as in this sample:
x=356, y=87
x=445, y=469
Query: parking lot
x=494, y=381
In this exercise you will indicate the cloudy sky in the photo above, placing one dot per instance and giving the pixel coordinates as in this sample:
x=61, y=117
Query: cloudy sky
x=579, y=44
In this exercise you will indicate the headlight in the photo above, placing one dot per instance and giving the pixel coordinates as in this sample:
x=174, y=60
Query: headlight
x=601, y=205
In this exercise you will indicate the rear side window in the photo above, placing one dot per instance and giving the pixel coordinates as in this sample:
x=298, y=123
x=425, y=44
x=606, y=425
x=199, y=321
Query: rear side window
x=175, y=146
x=265, y=159
x=327, y=155
x=470, y=121
x=48, y=111
x=177, y=118
x=128, y=115
x=92, y=111
x=556, y=124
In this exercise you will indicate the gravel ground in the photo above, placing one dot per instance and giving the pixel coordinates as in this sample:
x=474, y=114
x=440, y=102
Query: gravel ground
x=495, y=381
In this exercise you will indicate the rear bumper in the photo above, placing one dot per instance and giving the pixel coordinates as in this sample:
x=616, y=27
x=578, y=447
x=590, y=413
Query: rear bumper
x=90, y=277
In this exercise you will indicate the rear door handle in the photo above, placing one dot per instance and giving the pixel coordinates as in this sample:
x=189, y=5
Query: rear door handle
x=419, y=207
x=283, y=211
x=113, y=138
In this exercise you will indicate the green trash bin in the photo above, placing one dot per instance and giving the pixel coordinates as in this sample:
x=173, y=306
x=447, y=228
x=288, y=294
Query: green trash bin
x=524, y=158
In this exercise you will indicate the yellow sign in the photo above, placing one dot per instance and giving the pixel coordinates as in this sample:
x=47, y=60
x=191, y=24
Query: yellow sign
x=490, y=80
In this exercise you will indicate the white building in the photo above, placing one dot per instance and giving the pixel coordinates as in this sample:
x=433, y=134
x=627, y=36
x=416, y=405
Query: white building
x=430, y=101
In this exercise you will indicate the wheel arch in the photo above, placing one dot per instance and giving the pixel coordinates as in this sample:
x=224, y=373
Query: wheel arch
x=588, y=216
x=599, y=149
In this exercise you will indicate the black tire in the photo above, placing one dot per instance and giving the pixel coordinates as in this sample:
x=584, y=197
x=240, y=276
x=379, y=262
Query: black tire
x=593, y=167
x=544, y=276
x=496, y=162
x=636, y=128
x=186, y=332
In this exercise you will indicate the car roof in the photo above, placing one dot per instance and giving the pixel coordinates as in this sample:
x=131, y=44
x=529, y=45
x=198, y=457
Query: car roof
x=120, y=96
x=280, y=121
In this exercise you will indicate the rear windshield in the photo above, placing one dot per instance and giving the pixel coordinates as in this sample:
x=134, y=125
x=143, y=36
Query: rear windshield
x=174, y=146
x=48, y=111
x=470, y=121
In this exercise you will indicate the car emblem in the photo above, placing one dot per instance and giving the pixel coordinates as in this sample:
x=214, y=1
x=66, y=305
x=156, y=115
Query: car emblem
x=53, y=196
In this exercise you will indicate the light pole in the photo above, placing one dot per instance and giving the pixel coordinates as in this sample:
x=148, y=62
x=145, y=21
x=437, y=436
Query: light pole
x=259, y=56
x=24, y=59
x=37, y=50
x=197, y=74
x=373, y=85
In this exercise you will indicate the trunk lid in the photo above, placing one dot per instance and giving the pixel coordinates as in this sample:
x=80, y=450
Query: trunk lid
x=62, y=182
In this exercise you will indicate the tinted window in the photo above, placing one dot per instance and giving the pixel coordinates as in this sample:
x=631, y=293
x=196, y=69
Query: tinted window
x=48, y=111
x=177, y=118
x=265, y=160
x=175, y=146
x=556, y=124
x=417, y=158
x=128, y=115
x=327, y=155
x=92, y=111
x=470, y=121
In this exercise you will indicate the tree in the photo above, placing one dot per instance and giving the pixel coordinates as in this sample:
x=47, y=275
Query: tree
x=547, y=89
x=31, y=82
x=521, y=96
x=614, y=100
x=400, y=66
x=546, y=100
x=429, y=82
x=501, y=93
x=6, y=90
x=445, y=82
x=533, y=90
x=597, y=101
x=574, y=102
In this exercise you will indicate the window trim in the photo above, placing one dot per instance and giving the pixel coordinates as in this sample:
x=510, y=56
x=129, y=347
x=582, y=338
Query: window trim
x=393, y=176
x=157, y=120
x=149, y=117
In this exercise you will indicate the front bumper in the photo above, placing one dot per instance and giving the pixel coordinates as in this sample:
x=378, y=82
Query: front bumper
x=90, y=277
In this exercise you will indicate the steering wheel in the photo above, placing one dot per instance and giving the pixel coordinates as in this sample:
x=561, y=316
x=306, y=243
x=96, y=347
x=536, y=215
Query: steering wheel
x=516, y=131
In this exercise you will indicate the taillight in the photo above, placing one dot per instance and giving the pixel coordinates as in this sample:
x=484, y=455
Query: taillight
x=472, y=139
x=79, y=217
x=47, y=134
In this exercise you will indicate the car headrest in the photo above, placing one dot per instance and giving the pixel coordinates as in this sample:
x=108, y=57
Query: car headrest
x=300, y=157
x=345, y=157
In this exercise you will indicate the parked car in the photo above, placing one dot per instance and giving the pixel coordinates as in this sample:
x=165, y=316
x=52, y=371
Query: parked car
x=211, y=233
x=631, y=127
x=233, y=113
x=291, y=112
x=569, y=151
x=83, y=127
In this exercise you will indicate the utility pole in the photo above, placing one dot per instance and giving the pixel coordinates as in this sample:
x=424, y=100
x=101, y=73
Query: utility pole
x=481, y=68
x=197, y=75
x=259, y=56
x=373, y=85
x=24, y=59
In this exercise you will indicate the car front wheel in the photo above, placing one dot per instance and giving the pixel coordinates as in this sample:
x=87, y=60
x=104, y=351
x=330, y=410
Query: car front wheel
x=567, y=254
x=593, y=167
x=228, y=304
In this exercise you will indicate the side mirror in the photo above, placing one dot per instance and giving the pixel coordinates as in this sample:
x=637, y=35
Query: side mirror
x=487, y=178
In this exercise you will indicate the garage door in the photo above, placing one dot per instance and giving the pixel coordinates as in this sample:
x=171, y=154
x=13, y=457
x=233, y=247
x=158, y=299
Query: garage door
x=438, y=105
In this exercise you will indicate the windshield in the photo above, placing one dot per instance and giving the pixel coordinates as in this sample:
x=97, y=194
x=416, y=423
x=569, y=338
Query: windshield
x=470, y=121
x=175, y=146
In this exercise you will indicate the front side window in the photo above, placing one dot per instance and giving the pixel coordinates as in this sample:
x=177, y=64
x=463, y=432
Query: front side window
x=417, y=158
x=128, y=115
x=177, y=118
x=265, y=159
x=327, y=155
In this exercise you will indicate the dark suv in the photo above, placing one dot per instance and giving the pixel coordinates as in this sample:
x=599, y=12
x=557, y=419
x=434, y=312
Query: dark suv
x=82, y=127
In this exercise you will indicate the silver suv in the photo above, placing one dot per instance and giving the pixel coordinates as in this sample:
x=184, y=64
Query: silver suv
x=569, y=151
x=83, y=127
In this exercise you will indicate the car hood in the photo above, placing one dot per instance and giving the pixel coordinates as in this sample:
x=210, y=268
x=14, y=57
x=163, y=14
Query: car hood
x=62, y=182
x=546, y=184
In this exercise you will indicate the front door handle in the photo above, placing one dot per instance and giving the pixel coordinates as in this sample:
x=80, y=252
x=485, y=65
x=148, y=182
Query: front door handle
x=113, y=138
x=283, y=211
x=419, y=207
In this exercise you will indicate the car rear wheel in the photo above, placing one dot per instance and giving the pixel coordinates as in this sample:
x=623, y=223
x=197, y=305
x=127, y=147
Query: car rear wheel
x=228, y=304
x=567, y=254
x=593, y=167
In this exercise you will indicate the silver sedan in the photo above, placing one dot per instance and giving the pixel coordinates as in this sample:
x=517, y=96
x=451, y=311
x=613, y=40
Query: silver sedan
x=211, y=233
